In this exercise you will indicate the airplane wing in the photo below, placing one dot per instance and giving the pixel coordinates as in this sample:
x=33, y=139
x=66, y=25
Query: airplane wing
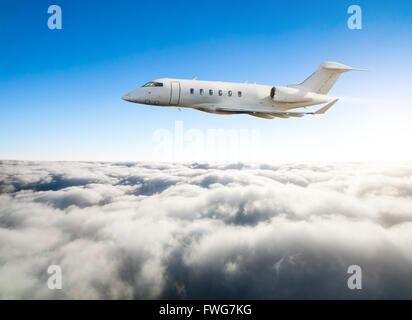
x=262, y=113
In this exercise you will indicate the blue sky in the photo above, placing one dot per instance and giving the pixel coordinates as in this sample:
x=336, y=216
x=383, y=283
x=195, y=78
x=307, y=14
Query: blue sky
x=60, y=89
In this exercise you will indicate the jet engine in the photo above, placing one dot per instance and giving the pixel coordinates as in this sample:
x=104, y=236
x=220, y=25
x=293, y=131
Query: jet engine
x=290, y=95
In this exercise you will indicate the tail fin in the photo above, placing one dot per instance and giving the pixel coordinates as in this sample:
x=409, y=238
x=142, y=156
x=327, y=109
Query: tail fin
x=322, y=80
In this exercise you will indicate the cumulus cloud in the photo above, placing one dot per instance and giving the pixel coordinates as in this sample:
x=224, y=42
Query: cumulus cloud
x=204, y=230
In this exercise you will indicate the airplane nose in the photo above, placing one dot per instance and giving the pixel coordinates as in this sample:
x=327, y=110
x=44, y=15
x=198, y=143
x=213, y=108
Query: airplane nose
x=127, y=97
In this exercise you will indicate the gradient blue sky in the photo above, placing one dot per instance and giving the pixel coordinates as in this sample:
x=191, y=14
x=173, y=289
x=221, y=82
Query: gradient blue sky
x=60, y=89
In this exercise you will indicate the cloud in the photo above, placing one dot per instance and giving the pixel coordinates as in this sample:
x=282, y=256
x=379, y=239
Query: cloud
x=205, y=230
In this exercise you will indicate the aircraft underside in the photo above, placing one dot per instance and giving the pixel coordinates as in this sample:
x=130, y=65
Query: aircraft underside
x=264, y=113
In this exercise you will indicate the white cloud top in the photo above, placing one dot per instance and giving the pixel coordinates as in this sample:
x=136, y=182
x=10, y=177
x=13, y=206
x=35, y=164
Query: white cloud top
x=142, y=230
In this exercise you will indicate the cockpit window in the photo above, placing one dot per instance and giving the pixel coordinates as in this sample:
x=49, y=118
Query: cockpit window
x=153, y=84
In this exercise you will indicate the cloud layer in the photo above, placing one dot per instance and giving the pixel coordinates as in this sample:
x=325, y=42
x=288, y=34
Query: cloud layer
x=147, y=231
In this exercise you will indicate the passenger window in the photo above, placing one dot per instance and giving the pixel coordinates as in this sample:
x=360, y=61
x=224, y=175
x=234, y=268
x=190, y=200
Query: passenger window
x=229, y=93
x=220, y=92
x=211, y=92
x=192, y=91
x=201, y=91
x=239, y=94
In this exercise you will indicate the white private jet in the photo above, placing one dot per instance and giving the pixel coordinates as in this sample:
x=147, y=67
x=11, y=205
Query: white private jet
x=243, y=98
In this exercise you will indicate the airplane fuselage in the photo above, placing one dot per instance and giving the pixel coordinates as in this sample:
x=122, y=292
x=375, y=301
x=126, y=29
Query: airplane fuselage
x=207, y=95
x=243, y=98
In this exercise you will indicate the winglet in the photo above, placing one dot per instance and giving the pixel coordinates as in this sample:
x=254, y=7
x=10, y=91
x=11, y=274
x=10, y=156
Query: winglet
x=326, y=108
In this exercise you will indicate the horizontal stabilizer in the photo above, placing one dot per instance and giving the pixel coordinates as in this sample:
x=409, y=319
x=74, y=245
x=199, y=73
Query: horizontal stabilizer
x=353, y=69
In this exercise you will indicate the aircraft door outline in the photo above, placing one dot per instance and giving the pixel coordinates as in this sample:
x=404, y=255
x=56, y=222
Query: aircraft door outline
x=174, y=93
